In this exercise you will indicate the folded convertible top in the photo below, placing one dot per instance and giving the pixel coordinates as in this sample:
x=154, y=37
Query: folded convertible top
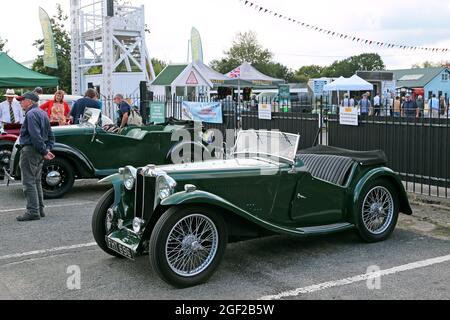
x=365, y=158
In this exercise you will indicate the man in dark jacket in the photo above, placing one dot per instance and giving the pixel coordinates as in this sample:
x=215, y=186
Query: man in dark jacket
x=409, y=108
x=80, y=106
x=36, y=141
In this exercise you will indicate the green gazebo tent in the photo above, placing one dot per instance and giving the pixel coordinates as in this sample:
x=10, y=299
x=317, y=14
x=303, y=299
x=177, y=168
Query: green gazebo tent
x=15, y=75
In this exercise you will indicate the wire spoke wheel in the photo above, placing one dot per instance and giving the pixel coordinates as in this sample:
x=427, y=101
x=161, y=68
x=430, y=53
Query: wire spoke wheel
x=192, y=245
x=378, y=210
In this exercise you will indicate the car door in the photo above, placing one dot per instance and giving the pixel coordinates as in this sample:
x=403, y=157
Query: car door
x=317, y=202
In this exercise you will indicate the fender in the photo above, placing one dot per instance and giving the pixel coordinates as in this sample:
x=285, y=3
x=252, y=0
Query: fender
x=191, y=144
x=383, y=172
x=8, y=140
x=83, y=164
x=116, y=181
x=201, y=197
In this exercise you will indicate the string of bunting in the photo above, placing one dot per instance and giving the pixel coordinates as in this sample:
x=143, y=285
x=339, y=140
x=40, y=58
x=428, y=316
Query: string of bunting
x=337, y=34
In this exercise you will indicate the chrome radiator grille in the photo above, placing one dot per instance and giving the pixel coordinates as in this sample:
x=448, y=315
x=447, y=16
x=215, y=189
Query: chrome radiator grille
x=144, y=203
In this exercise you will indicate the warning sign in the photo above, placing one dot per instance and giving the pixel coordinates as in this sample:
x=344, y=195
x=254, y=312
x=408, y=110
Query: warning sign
x=192, y=79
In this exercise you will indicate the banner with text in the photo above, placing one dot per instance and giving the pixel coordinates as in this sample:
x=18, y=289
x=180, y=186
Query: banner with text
x=208, y=112
x=50, y=59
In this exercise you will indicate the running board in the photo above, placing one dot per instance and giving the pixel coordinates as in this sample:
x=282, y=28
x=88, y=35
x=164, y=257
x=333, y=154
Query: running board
x=331, y=228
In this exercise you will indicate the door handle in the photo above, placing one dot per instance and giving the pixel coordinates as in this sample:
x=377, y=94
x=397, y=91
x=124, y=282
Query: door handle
x=98, y=141
x=300, y=196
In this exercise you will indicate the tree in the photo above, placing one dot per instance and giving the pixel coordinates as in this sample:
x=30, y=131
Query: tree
x=63, y=52
x=158, y=65
x=349, y=66
x=308, y=72
x=2, y=44
x=429, y=64
x=245, y=48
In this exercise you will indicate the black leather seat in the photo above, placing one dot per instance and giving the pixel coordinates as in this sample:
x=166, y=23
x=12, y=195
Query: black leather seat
x=330, y=168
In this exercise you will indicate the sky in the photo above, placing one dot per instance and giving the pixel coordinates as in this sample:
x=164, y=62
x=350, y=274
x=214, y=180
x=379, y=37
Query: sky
x=412, y=22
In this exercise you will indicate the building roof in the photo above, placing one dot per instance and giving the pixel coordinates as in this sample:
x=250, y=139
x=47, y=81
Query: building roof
x=169, y=74
x=416, y=78
x=15, y=75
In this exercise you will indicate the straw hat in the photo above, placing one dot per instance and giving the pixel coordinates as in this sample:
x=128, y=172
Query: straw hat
x=10, y=93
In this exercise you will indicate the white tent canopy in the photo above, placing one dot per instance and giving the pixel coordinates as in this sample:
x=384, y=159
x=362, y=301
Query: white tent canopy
x=354, y=83
x=247, y=72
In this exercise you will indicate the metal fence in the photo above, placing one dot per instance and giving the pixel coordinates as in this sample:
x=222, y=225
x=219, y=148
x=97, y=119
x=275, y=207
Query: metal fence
x=417, y=147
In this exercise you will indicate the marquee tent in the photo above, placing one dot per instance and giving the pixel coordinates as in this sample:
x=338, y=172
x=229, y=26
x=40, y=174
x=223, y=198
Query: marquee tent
x=15, y=75
x=354, y=83
x=249, y=76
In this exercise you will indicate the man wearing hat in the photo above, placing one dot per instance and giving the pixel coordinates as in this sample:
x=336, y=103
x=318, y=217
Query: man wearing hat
x=37, y=141
x=10, y=110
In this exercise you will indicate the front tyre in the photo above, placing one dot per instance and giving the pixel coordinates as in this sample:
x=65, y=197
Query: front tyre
x=58, y=177
x=103, y=224
x=378, y=211
x=187, y=245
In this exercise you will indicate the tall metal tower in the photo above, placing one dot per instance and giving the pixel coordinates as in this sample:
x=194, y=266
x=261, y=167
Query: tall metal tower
x=108, y=48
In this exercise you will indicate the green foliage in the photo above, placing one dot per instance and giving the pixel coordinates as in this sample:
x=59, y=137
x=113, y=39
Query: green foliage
x=63, y=50
x=308, y=72
x=349, y=66
x=158, y=65
x=245, y=48
x=429, y=64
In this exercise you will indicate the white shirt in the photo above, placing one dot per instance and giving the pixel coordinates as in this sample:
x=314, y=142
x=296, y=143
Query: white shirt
x=5, y=115
x=376, y=101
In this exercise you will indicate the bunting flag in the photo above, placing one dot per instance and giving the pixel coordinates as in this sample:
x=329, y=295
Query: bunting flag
x=340, y=35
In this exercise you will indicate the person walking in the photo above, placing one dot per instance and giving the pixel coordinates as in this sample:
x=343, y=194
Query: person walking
x=365, y=105
x=397, y=107
x=409, y=108
x=420, y=105
x=377, y=105
x=80, y=106
x=10, y=110
x=36, y=141
x=57, y=110
x=442, y=105
x=433, y=105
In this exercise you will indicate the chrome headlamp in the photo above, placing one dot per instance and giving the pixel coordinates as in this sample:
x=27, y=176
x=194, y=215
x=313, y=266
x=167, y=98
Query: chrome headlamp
x=129, y=178
x=165, y=186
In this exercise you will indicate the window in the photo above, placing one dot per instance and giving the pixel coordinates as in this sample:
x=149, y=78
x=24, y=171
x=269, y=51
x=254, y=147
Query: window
x=445, y=77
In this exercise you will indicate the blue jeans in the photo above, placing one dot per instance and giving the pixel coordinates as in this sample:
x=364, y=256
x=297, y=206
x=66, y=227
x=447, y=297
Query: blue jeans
x=396, y=114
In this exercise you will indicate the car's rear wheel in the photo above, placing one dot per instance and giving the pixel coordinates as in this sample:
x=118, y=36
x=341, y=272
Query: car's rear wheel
x=58, y=177
x=378, y=211
x=103, y=222
x=187, y=245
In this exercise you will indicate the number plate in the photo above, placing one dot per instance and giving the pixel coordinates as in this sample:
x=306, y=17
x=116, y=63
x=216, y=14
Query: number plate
x=120, y=248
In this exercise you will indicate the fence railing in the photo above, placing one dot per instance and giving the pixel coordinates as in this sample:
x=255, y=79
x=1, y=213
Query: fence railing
x=417, y=144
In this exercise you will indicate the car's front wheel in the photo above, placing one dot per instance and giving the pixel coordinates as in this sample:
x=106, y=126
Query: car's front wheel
x=187, y=245
x=378, y=211
x=103, y=222
x=58, y=177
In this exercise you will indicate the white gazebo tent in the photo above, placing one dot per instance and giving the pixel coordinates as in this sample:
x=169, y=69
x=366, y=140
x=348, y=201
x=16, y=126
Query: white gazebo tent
x=353, y=83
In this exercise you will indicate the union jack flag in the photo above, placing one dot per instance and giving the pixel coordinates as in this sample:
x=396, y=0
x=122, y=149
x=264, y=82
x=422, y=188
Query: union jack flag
x=236, y=73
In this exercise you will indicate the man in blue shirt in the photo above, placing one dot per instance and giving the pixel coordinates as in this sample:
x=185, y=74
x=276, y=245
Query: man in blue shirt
x=80, y=106
x=123, y=112
x=409, y=108
x=365, y=105
x=37, y=141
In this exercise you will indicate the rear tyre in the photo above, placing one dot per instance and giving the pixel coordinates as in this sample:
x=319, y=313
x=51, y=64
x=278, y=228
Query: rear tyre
x=187, y=245
x=5, y=159
x=102, y=225
x=58, y=177
x=378, y=211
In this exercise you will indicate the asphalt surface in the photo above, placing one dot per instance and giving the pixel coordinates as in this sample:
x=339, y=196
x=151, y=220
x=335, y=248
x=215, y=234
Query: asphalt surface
x=35, y=258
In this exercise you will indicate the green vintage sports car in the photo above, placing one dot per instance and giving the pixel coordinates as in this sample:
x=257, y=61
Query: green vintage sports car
x=184, y=215
x=88, y=151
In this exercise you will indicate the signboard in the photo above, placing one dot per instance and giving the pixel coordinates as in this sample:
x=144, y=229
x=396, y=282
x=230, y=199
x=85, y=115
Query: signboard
x=192, y=80
x=318, y=87
x=264, y=111
x=284, y=92
x=50, y=59
x=157, y=112
x=208, y=112
x=349, y=116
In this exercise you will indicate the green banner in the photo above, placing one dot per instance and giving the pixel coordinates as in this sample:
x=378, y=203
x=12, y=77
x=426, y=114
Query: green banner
x=157, y=112
x=50, y=59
